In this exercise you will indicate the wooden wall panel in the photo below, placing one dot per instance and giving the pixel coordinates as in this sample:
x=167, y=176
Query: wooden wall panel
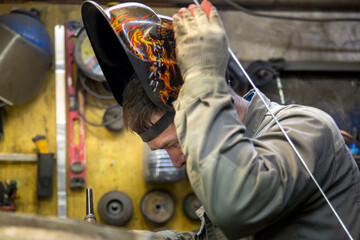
x=114, y=160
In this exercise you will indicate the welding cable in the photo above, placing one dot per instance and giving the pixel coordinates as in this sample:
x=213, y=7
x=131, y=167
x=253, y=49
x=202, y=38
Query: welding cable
x=104, y=104
x=82, y=78
x=82, y=115
x=287, y=138
x=100, y=88
x=292, y=145
x=283, y=17
x=101, y=103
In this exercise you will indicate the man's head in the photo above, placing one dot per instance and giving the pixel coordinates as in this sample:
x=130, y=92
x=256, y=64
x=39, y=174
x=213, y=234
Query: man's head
x=137, y=107
x=140, y=114
x=128, y=39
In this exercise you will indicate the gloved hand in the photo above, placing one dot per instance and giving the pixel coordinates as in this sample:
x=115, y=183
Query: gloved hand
x=201, y=42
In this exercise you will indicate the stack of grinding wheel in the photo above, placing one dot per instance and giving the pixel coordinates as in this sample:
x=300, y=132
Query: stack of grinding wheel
x=115, y=208
x=157, y=206
x=190, y=204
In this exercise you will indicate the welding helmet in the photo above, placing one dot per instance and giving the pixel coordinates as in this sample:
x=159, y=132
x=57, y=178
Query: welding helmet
x=131, y=38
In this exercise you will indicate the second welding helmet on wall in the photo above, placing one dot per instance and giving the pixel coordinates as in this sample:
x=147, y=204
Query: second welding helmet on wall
x=131, y=38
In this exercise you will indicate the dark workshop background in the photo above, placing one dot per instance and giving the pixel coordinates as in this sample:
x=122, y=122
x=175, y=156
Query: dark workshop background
x=321, y=70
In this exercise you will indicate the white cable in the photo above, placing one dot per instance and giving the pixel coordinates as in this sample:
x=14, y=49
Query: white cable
x=287, y=138
x=291, y=143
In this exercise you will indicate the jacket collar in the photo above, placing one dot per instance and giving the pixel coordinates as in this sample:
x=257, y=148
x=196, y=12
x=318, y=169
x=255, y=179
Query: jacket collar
x=255, y=113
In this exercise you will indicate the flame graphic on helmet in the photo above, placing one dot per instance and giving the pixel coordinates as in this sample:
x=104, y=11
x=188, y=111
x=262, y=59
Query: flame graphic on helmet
x=150, y=43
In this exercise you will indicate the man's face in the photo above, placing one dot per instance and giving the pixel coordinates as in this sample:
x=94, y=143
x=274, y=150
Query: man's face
x=168, y=140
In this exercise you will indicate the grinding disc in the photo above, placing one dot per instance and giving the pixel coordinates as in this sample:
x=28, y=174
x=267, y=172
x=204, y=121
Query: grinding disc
x=157, y=206
x=190, y=204
x=114, y=116
x=85, y=59
x=115, y=208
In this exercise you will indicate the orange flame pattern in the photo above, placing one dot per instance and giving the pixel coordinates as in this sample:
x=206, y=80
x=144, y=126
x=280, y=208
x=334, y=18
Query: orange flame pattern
x=142, y=41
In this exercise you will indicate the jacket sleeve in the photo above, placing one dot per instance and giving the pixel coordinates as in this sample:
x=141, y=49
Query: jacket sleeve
x=244, y=184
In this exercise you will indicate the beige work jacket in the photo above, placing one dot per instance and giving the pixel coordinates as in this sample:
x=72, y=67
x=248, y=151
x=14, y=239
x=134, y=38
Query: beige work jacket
x=248, y=177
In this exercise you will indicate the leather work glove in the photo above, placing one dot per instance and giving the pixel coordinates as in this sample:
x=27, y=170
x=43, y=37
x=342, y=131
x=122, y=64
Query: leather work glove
x=201, y=42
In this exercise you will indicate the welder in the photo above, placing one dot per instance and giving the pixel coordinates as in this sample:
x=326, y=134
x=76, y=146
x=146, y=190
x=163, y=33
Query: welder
x=239, y=163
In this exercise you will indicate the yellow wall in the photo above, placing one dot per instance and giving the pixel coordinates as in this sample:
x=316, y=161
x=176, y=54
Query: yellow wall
x=114, y=160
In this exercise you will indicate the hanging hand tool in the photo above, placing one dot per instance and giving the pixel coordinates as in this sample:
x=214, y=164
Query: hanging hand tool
x=45, y=167
x=7, y=195
x=40, y=143
x=76, y=125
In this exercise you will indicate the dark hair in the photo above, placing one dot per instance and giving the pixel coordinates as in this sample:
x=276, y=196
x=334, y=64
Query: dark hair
x=137, y=107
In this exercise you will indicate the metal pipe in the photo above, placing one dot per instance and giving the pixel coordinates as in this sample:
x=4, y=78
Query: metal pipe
x=90, y=217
